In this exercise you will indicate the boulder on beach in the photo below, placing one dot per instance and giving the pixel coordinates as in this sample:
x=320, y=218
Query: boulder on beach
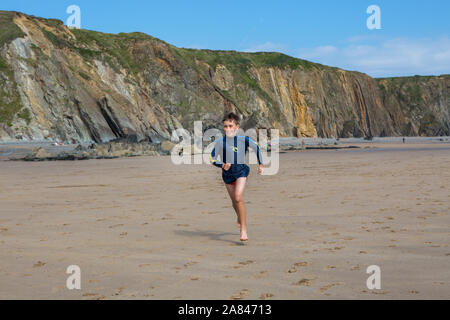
x=167, y=146
x=38, y=154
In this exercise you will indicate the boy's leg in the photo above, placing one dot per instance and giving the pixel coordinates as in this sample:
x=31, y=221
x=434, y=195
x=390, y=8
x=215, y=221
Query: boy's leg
x=232, y=191
x=238, y=197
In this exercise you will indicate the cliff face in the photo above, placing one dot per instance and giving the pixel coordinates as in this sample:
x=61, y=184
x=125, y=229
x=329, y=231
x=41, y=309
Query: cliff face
x=80, y=85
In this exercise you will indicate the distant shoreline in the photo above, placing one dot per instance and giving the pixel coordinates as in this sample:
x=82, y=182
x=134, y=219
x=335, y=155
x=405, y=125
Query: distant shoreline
x=283, y=141
x=26, y=149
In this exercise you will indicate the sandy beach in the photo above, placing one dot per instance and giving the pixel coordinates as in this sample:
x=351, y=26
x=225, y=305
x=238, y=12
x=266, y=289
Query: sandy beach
x=144, y=228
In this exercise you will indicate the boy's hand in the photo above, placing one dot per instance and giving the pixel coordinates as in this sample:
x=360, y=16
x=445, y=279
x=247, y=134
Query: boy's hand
x=260, y=169
x=226, y=166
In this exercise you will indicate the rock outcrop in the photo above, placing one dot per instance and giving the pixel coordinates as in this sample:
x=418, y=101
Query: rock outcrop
x=84, y=86
x=107, y=150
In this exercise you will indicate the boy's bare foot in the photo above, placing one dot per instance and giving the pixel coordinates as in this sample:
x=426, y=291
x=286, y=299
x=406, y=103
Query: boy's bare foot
x=244, y=236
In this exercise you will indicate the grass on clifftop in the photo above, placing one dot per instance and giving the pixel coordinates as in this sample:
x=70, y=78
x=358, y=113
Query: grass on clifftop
x=111, y=47
x=416, y=77
x=244, y=59
x=8, y=30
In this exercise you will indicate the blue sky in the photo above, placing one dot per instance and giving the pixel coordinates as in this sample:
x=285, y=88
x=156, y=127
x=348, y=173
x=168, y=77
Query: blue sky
x=414, y=37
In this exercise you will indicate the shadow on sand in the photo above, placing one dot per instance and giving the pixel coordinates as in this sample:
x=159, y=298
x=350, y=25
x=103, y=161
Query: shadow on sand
x=217, y=236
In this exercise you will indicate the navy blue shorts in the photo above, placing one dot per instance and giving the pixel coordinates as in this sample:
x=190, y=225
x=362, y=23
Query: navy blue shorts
x=236, y=171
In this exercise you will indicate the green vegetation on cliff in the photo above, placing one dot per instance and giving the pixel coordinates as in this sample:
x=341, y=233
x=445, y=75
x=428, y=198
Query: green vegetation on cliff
x=111, y=48
x=245, y=59
x=407, y=89
x=10, y=103
x=115, y=48
x=414, y=97
x=8, y=30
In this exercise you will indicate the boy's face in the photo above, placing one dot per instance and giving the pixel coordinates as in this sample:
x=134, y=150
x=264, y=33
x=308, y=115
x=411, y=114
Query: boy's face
x=230, y=128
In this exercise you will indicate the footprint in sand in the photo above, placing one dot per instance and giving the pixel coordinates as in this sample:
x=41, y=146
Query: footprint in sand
x=94, y=296
x=301, y=264
x=190, y=263
x=115, y=226
x=88, y=294
x=144, y=265
x=118, y=291
x=265, y=296
x=293, y=269
x=243, y=263
x=241, y=295
x=39, y=264
x=303, y=282
x=379, y=292
x=260, y=274
x=329, y=286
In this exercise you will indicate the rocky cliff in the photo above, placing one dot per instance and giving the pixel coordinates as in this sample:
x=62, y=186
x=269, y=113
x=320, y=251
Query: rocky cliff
x=80, y=85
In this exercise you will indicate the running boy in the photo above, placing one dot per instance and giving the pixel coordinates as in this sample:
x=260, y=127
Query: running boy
x=232, y=149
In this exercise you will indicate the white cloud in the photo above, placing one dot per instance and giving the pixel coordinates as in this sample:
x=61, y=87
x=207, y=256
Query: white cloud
x=391, y=57
x=322, y=51
x=375, y=55
x=370, y=37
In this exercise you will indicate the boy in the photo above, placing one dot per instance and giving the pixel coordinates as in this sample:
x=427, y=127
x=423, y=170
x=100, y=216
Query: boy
x=232, y=149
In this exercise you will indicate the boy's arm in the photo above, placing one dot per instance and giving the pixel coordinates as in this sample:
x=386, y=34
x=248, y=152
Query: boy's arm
x=252, y=144
x=213, y=157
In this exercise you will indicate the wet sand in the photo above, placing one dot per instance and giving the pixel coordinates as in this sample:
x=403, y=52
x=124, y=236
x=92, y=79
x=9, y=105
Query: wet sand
x=143, y=228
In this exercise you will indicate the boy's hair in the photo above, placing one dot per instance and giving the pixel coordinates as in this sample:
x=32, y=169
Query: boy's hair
x=231, y=117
